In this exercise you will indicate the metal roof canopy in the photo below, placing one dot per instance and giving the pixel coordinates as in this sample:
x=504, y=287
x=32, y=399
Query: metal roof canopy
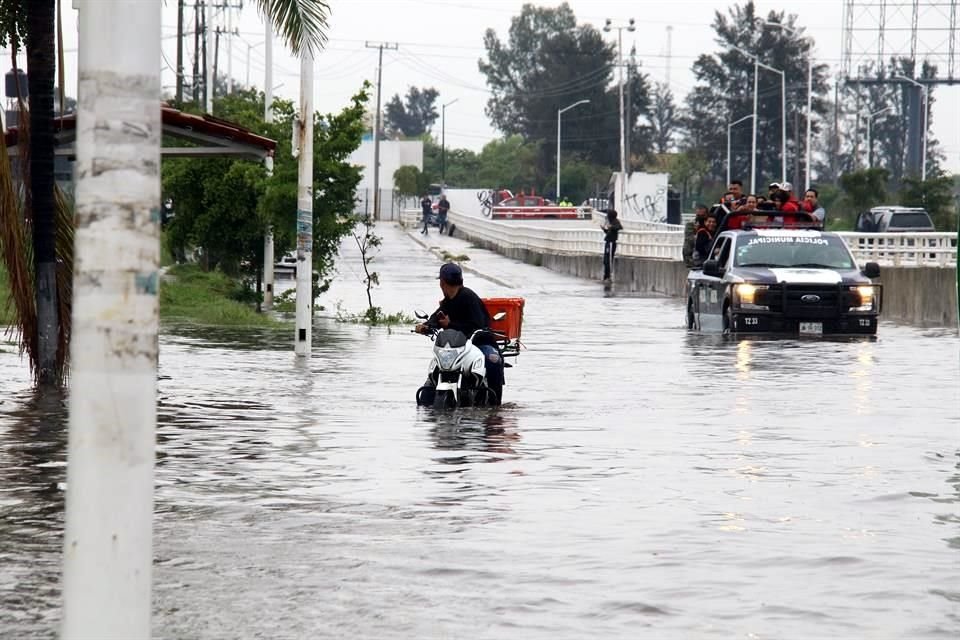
x=213, y=137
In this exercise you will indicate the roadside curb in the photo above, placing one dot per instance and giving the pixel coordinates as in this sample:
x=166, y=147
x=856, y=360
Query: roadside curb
x=438, y=254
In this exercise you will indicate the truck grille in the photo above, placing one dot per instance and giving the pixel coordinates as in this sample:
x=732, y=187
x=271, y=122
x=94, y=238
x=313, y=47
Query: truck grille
x=800, y=301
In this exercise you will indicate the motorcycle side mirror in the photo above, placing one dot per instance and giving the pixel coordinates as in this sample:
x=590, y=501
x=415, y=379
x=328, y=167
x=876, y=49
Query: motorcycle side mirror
x=500, y=315
x=420, y=314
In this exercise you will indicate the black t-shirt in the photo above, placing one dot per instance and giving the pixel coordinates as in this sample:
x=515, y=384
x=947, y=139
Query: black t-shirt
x=426, y=205
x=466, y=312
x=612, y=231
x=443, y=206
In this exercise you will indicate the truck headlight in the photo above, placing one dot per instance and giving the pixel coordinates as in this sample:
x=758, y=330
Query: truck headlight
x=747, y=295
x=864, y=297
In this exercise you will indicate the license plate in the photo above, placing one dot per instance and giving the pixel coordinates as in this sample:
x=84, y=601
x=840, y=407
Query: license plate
x=811, y=328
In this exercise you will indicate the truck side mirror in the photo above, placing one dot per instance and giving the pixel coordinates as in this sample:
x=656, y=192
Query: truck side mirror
x=712, y=268
x=871, y=270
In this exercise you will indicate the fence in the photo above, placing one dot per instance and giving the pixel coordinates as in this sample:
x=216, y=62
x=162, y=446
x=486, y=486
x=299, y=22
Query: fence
x=392, y=204
x=660, y=241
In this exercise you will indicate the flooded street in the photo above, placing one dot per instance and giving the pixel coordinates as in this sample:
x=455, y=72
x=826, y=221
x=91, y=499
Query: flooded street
x=638, y=480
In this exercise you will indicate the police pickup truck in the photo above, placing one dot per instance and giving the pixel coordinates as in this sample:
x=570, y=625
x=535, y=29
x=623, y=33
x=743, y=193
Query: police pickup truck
x=784, y=275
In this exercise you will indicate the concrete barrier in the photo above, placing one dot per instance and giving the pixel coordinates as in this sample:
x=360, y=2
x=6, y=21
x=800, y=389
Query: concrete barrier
x=923, y=296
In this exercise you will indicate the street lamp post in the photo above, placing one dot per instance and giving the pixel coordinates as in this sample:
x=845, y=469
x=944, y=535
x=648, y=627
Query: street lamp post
x=870, y=118
x=249, y=48
x=443, y=143
x=809, y=93
x=926, y=116
x=630, y=26
x=729, y=127
x=783, y=117
x=560, y=113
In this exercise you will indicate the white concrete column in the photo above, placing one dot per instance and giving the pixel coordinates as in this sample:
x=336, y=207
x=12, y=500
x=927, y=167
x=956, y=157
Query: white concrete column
x=303, y=337
x=113, y=396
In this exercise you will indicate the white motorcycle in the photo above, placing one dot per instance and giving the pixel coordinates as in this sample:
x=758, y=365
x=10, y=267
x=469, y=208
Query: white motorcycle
x=457, y=374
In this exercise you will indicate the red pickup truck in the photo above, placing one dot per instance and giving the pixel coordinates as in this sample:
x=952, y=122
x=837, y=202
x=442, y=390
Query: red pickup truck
x=535, y=207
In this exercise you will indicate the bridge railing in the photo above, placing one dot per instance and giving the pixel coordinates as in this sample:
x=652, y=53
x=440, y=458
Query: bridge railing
x=585, y=240
x=932, y=249
x=661, y=241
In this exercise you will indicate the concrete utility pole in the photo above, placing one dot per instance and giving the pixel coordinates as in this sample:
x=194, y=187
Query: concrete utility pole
x=208, y=57
x=107, y=548
x=195, y=87
x=622, y=187
x=304, y=128
x=268, y=256
x=180, y=53
x=229, y=11
x=376, y=127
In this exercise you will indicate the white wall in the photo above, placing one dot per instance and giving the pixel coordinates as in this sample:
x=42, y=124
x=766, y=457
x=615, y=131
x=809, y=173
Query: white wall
x=393, y=155
x=646, y=196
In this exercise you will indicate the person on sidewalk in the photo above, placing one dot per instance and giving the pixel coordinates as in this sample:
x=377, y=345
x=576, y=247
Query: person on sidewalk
x=426, y=205
x=611, y=233
x=443, y=207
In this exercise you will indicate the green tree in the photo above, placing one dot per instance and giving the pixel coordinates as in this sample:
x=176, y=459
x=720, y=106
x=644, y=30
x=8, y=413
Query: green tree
x=935, y=194
x=509, y=163
x=549, y=62
x=865, y=189
x=413, y=116
x=664, y=118
x=724, y=91
x=462, y=165
x=225, y=206
x=409, y=180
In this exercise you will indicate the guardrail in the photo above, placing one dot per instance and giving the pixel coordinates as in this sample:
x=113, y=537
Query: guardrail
x=903, y=249
x=585, y=240
x=660, y=241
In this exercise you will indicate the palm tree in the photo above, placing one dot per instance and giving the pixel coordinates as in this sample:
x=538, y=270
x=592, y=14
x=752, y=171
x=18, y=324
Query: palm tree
x=41, y=65
x=106, y=592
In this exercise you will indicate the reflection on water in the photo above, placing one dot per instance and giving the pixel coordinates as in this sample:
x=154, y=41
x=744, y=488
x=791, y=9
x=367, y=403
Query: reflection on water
x=638, y=475
x=33, y=447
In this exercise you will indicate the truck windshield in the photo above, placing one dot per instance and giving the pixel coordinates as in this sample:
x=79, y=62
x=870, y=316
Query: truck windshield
x=814, y=252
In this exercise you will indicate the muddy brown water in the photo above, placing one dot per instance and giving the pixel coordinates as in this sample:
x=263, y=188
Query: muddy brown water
x=640, y=480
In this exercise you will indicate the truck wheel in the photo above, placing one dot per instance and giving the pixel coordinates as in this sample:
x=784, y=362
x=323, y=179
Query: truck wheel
x=728, y=325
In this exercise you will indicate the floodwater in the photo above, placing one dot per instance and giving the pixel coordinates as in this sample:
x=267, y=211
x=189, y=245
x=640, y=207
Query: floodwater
x=640, y=481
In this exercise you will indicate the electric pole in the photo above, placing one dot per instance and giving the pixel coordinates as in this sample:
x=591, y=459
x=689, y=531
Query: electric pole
x=216, y=60
x=180, y=53
x=376, y=127
x=195, y=87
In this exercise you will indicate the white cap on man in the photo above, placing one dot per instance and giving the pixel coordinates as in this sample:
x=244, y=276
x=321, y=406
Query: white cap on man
x=786, y=186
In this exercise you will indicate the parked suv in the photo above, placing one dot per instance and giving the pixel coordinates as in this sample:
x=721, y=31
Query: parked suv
x=894, y=219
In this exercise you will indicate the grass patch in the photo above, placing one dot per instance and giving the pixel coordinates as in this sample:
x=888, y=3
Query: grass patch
x=454, y=257
x=374, y=317
x=189, y=293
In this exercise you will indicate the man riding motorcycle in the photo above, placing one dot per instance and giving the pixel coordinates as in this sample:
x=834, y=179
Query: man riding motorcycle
x=463, y=310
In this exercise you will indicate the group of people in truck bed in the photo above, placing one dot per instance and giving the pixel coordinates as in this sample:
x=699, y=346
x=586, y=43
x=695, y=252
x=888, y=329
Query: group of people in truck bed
x=780, y=198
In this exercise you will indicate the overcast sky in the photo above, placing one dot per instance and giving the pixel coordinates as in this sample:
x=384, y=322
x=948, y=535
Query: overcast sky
x=440, y=42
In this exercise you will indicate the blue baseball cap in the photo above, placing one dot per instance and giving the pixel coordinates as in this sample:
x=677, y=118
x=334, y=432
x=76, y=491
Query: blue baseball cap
x=451, y=273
